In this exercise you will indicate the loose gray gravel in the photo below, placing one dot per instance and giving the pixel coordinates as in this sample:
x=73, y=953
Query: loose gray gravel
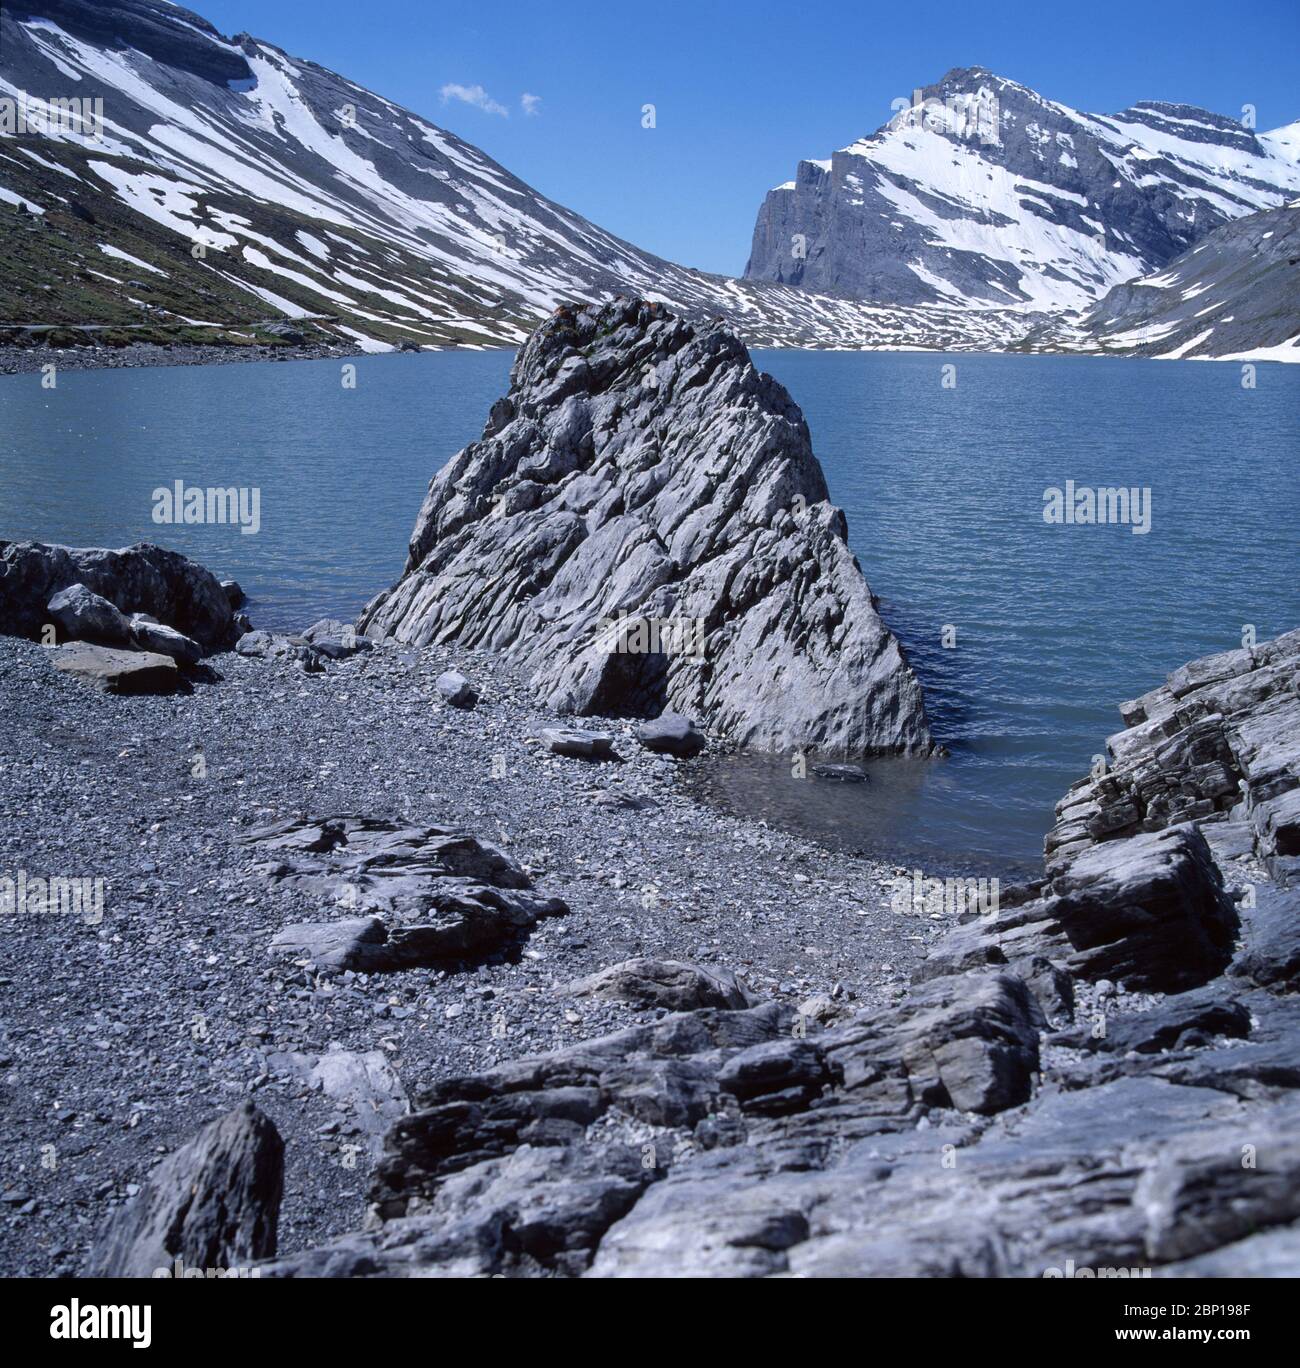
x=118, y=1041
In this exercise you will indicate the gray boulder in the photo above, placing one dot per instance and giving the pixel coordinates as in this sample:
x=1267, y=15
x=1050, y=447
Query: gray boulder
x=213, y=1204
x=137, y=579
x=334, y=639
x=154, y=636
x=672, y=734
x=1149, y=911
x=644, y=527
x=84, y=616
x=456, y=689
x=673, y=984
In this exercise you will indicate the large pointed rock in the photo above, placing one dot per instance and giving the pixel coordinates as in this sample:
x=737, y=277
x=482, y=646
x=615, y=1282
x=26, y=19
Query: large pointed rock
x=645, y=527
x=214, y=1203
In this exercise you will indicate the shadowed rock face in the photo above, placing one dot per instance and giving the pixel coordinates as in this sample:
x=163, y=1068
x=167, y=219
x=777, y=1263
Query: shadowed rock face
x=645, y=526
x=214, y=1203
x=164, y=32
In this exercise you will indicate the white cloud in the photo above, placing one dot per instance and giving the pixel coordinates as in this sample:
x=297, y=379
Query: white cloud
x=532, y=104
x=474, y=95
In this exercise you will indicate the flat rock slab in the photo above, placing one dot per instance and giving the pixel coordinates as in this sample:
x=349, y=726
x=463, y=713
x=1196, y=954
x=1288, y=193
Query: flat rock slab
x=119, y=672
x=582, y=745
x=214, y=1203
x=1270, y=954
x=1188, y=1016
x=430, y=895
x=362, y=1082
x=673, y=984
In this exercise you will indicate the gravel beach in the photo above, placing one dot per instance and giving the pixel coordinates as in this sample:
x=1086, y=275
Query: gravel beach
x=122, y=1039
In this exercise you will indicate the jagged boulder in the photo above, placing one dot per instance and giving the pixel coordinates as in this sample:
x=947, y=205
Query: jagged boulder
x=213, y=1204
x=418, y=896
x=1149, y=911
x=162, y=585
x=645, y=527
x=1221, y=735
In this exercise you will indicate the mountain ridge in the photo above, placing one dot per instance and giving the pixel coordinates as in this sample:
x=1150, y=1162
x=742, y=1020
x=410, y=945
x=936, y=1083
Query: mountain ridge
x=236, y=177
x=986, y=193
x=237, y=195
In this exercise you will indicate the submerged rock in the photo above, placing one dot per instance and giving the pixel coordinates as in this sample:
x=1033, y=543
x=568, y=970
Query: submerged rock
x=645, y=527
x=841, y=774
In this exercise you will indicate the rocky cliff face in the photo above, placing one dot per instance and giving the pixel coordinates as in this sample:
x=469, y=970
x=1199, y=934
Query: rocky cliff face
x=645, y=527
x=989, y=194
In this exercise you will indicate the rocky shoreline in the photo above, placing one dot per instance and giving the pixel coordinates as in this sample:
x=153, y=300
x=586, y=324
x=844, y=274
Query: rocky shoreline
x=16, y=360
x=730, y=1138
x=100, y=1053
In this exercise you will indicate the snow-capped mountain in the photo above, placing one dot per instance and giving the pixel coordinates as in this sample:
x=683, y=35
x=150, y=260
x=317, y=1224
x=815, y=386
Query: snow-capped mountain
x=1234, y=296
x=986, y=194
x=225, y=183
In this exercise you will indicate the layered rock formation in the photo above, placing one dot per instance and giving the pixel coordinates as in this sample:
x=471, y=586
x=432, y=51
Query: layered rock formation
x=213, y=1205
x=1221, y=736
x=417, y=895
x=645, y=527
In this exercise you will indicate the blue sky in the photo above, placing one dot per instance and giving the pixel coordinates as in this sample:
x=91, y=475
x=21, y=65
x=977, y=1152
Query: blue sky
x=745, y=88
